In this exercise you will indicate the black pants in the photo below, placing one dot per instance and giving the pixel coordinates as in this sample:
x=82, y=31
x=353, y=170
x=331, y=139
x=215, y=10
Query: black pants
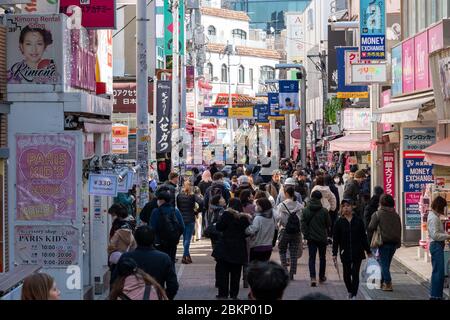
x=228, y=276
x=351, y=276
x=170, y=250
x=313, y=247
x=260, y=255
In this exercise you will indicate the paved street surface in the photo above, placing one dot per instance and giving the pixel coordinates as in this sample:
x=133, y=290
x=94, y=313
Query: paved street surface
x=197, y=280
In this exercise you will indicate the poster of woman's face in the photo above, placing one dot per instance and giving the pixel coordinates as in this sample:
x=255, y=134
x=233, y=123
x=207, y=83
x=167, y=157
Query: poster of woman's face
x=33, y=55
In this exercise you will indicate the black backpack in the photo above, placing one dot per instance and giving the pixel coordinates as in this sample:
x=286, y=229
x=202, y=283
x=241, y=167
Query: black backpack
x=293, y=223
x=169, y=229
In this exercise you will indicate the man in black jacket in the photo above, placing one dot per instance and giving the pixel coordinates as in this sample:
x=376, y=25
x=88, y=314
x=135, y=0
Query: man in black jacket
x=156, y=263
x=217, y=186
x=172, y=185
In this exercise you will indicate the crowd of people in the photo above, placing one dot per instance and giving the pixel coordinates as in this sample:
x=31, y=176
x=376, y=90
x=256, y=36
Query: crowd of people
x=246, y=215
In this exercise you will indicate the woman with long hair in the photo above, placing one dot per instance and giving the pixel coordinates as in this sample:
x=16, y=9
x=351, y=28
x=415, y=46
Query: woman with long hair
x=206, y=182
x=40, y=286
x=134, y=284
x=247, y=199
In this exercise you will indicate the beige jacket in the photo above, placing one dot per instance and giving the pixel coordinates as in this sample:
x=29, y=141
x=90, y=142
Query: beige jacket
x=328, y=198
x=122, y=241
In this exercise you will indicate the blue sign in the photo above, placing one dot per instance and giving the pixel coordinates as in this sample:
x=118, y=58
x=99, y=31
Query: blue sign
x=417, y=173
x=373, y=29
x=215, y=112
x=288, y=96
x=103, y=184
x=274, y=106
x=347, y=91
x=397, y=71
x=261, y=113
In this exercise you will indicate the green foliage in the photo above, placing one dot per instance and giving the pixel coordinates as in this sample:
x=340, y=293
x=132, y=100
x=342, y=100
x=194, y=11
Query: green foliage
x=333, y=106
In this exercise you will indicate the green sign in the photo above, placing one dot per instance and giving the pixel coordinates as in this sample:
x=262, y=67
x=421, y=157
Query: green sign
x=168, y=27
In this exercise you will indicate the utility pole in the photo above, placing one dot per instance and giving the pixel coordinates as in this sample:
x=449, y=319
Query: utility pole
x=175, y=84
x=142, y=103
x=323, y=70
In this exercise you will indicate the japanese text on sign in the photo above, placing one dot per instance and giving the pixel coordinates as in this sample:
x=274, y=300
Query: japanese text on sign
x=164, y=110
x=389, y=173
x=418, y=138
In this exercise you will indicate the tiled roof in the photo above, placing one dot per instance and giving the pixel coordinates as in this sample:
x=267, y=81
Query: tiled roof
x=225, y=13
x=246, y=51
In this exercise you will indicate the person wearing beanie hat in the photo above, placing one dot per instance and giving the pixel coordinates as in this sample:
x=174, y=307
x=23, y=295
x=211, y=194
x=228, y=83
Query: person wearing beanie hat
x=373, y=205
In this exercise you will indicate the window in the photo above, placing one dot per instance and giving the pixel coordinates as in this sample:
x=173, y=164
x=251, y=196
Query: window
x=310, y=19
x=210, y=71
x=224, y=73
x=267, y=73
x=239, y=34
x=211, y=31
x=250, y=75
x=241, y=74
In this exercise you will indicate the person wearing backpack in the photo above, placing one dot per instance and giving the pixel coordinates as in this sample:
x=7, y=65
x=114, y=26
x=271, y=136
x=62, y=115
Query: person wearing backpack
x=217, y=188
x=168, y=224
x=315, y=224
x=289, y=217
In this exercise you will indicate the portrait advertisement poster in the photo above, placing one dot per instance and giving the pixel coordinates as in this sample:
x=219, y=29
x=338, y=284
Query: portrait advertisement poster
x=397, y=71
x=96, y=14
x=373, y=29
x=408, y=65
x=46, y=177
x=421, y=67
x=35, y=54
x=46, y=245
x=288, y=97
x=164, y=116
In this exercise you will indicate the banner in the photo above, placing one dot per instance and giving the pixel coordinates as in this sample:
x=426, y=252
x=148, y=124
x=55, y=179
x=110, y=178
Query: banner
x=241, y=113
x=120, y=139
x=261, y=113
x=164, y=116
x=215, y=112
x=397, y=71
x=96, y=14
x=46, y=177
x=273, y=98
x=345, y=91
x=335, y=39
x=168, y=28
x=288, y=97
x=389, y=173
x=373, y=29
x=103, y=184
x=444, y=76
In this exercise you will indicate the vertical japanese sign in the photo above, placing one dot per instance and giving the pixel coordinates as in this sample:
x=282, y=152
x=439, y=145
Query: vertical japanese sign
x=345, y=91
x=273, y=98
x=163, y=114
x=45, y=174
x=389, y=173
x=397, y=71
x=168, y=27
x=98, y=14
x=288, y=97
x=335, y=39
x=373, y=29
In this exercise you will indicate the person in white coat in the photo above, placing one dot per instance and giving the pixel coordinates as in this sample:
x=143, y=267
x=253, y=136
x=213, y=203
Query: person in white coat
x=328, y=198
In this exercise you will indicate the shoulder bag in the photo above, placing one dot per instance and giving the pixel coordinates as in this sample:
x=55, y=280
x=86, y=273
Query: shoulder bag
x=376, y=241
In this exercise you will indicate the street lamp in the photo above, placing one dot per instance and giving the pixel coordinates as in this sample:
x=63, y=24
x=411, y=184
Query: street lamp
x=300, y=76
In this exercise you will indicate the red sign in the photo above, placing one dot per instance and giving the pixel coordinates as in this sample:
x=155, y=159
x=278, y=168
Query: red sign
x=98, y=14
x=125, y=97
x=389, y=173
x=190, y=77
x=296, y=134
x=237, y=100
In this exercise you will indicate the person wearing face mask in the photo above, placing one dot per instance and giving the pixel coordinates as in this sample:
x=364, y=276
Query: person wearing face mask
x=339, y=184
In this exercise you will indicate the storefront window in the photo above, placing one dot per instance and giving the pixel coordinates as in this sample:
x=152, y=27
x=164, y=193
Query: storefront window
x=421, y=9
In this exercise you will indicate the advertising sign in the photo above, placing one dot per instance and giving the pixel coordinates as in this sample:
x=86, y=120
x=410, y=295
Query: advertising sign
x=444, y=76
x=273, y=98
x=288, y=97
x=45, y=174
x=397, y=71
x=335, y=39
x=389, y=173
x=40, y=6
x=241, y=113
x=369, y=73
x=345, y=91
x=190, y=77
x=34, y=49
x=262, y=112
x=412, y=212
x=125, y=97
x=98, y=14
x=215, y=112
x=422, y=72
x=295, y=47
x=418, y=138
x=168, y=28
x=373, y=29
x=120, y=139
x=436, y=38
x=47, y=246
x=103, y=184
x=356, y=119
x=408, y=65
x=164, y=116
x=416, y=171
x=237, y=100
x=104, y=70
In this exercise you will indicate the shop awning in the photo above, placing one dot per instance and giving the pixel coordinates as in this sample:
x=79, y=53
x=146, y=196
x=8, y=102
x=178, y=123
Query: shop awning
x=96, y=125
x=438, y=153
x=402, y=111
x=351, y=142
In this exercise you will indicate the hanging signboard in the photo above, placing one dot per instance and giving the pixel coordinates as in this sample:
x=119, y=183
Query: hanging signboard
x=288, y=97
x=261, y=113
x=373, y=29
x=168, y=27
x=389, y=173
x=96, y=14
x=369, y=73
x=164, y=116
x=120, y=139
x=103, y=184
x=241, y=113
x=417, y=139
x=345, y=91
x=215, y=112
x=273, y=98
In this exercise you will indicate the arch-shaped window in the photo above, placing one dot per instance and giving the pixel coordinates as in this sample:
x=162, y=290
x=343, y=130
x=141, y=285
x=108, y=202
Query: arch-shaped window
x=239, y=34
x=241, y=74
x=211, y=31
x=224, y=73
x=267, y=73
x=210, y=71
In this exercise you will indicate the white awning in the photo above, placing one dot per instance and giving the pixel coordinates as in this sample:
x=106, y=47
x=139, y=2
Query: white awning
x=402, y=111
x=352, y=142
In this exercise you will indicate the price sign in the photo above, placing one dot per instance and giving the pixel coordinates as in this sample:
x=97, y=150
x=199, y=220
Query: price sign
x=103, y=184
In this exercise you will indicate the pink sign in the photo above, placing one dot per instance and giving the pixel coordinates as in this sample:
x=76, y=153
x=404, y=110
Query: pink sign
x=389, y=173
x=412, y=197
x=436, y=38
x=100, y=14
x=422, y=72
x=45, y=173
x=408, y=65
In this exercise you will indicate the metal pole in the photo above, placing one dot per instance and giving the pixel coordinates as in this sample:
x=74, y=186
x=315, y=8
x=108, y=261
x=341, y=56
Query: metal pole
x=323, y=65
x=303, y=114
x=142, y=103
x=287, y=135
x=175, y=84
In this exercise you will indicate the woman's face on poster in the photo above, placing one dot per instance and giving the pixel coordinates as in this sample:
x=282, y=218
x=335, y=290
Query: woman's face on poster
x=32, y=48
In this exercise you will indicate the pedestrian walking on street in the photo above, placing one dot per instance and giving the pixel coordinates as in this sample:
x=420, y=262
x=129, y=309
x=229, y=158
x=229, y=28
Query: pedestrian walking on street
x=350, y=241
x=315, y=224
x=328, y=198
x=40, y=286
x=216, y=208
x=302, y=186
x=155, y=263
x=121, y=219
x=217, y=188
x=268, y=280
x=333, y=213
x=247, y=200
x=353, y=191
x=339, y=183
x=134, y=284
x=387, y=221
x=437, y=237
x=168, y=224
x=274, y=186
x=230, y=252
x=172, y=186
x=213, y=169
x=206, y=182
x=243, y=184
x=262, y=231
x=289, y=182
x=198, y=230
x=289, y=217
x=373, y=205
x=186, y=203
x=196, y=177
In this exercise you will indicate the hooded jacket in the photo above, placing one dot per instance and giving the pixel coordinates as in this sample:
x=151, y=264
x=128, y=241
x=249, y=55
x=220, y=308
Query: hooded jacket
x=122, y=241
x=315, y=222
x=262, y=229
x=283, y=213
x=390, y=226
x=328, y=198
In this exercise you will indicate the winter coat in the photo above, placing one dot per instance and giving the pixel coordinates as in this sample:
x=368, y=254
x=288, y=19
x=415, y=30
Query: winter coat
x=232, y=245
x=273, y=188
x=203, y=186
x=249, y=208
x=172, y=191
x=283, y=213
x=281, y=197
x=370, y=209
x=335, y=192
x=186, y=205
x=390, y=226
x=302, y=188
x=146, y=212
x=127, y=223
x=315, y=222
x=122, y=241
x=350, y=239
x=328, y=198
x=165, y=209
x=262, y=229
x=352, y=191
x=220, y=185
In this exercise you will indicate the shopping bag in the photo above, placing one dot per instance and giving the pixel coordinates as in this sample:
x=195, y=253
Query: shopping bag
x=372, y=274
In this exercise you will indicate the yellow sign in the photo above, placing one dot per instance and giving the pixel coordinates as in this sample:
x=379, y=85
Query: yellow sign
x=349, y=95
x=276, y=118
x=241, y=113
x=289, y=112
